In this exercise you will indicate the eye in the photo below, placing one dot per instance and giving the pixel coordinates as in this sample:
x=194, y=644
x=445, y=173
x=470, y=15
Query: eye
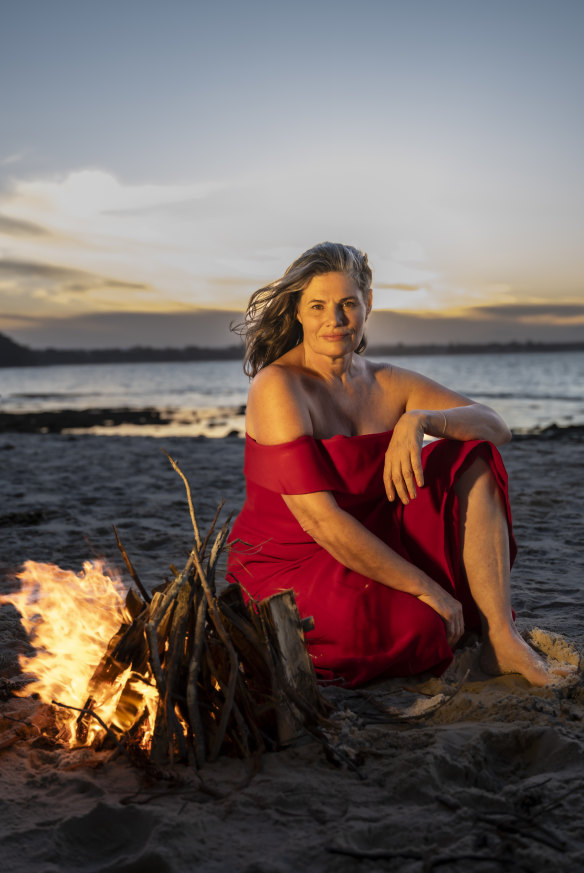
x=317, y=306
x=350, y=304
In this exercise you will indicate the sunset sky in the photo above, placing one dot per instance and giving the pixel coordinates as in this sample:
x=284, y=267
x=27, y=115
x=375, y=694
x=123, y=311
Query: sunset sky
x=159, y=158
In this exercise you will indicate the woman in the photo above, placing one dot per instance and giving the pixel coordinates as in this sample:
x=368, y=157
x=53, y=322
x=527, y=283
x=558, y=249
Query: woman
x=394, y=549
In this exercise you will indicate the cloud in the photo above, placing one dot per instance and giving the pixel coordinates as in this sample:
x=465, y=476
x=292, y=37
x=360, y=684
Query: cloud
x=71, y=279
x=396, y=286
x=97, y=227
x=16, y=227
x=130, y=286
x=87, y=194
x=531, y=313
x=202, y=327
x=12, y=159
x=427, y=328
x=25, y=269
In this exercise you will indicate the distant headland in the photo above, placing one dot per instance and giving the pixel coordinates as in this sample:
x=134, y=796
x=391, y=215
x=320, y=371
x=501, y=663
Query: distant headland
x=13, y=354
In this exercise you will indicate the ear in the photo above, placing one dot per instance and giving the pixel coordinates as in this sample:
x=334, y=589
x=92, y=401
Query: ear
x=298, y=318
x=369, y=302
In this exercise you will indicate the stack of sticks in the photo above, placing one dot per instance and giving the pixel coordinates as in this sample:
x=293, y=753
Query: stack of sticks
x=232, y=676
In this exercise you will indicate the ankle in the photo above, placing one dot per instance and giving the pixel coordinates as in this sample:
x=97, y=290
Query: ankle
x=500, y=634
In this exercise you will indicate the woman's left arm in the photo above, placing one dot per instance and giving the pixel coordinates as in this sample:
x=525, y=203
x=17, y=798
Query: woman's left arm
x=430, y=408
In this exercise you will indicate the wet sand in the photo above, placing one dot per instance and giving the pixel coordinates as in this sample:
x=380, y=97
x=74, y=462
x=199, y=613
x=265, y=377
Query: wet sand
x=492, y=780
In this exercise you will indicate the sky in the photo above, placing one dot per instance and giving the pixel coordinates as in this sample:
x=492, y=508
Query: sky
x=159, y=161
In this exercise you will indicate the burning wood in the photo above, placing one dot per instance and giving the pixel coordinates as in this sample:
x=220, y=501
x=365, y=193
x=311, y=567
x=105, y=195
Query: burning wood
x=185, y=674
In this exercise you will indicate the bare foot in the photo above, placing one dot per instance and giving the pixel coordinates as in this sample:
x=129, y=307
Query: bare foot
x=511, y=654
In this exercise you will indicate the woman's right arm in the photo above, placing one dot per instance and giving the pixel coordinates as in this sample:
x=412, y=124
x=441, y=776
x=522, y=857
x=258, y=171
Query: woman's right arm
x=347, y=540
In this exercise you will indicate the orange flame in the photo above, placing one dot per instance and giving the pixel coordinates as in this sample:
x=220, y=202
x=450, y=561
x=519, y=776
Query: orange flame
x=70, y=619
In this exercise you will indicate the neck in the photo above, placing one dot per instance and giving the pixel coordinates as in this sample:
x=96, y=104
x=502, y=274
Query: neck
x=329, y=368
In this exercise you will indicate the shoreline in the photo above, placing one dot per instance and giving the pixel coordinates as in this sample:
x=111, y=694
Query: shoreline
x=217, y=422
x=149, y=421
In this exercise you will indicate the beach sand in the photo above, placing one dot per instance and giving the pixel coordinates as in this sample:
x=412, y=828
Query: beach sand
x=490, y=781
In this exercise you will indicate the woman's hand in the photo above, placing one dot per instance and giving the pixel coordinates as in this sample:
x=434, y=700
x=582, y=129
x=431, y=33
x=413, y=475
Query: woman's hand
x=403, y=458
x=449, y=610
x=355, y=547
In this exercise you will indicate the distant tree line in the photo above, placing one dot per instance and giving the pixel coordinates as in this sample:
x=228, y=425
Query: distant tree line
x=12, y=354
x=473, y=348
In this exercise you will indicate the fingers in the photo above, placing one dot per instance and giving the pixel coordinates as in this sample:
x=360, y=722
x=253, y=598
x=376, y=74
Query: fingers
x=449, y=610
x=388, y=481
x=406, y=486
x=416, y=464
x=454, y=624
x=403, y=471
x=401, y=478
x=400, y=482
x=454, y=631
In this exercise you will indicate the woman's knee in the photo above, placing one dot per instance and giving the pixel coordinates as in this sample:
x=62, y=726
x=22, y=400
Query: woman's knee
x=478, y=475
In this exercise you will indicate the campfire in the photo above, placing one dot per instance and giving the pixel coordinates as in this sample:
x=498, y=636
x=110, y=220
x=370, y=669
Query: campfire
x=182, y=674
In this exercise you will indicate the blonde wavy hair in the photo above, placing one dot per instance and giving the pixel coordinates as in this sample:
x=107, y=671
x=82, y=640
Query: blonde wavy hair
x=270, y=327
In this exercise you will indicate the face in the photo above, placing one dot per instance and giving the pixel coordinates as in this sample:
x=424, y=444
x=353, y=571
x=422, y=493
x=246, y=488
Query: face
x=333, y=312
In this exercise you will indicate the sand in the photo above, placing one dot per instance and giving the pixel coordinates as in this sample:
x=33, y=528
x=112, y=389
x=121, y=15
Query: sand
x=492, y=780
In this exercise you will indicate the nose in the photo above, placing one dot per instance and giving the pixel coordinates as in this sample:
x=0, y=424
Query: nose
x=339, y=316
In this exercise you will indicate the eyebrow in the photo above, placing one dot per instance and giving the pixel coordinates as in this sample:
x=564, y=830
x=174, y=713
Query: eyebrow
x=342, y=300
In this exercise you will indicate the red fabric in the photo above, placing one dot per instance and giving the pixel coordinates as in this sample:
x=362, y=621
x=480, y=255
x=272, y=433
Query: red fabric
x=363, y=629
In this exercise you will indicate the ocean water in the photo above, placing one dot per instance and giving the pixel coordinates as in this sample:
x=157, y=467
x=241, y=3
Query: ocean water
x=530, y=390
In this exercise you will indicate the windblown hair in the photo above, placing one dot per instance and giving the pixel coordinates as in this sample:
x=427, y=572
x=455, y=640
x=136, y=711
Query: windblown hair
x=270, y=327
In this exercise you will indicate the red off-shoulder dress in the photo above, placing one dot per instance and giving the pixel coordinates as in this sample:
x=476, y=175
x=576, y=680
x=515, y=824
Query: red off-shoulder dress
x=363, y=629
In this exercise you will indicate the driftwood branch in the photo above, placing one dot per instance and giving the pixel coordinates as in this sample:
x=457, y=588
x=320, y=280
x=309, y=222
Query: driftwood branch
x=145, y=594
x=178, y=470
x=93, y=714
x=389, y=715
x=196, y=721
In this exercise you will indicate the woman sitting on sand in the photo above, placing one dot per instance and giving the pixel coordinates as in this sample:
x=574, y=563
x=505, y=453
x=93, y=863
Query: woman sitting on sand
x=394, y=549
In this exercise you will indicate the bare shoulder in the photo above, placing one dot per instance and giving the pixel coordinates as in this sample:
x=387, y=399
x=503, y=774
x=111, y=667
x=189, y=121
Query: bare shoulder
x=276, y=409
x=277, y=383
x=420, y=391
x=391, y=375
x=272, y=376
